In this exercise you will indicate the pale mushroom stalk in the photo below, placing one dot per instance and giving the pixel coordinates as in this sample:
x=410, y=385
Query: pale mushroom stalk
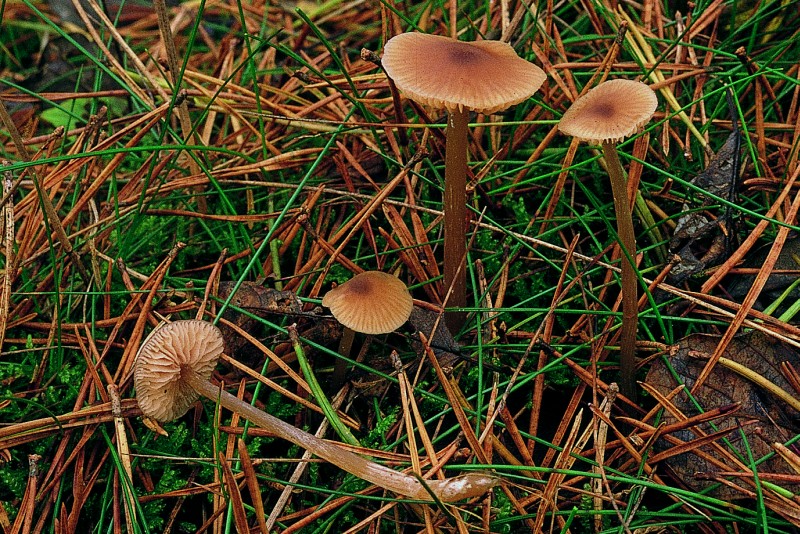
x=173, y=367
x=447, y=490
x=340, y=366
x=455, y=214
x=627, y=242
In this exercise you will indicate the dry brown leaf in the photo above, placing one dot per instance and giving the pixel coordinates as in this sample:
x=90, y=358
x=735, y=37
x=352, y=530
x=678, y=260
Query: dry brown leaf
x=689, y=241
x=258, y=300
x=762, y=419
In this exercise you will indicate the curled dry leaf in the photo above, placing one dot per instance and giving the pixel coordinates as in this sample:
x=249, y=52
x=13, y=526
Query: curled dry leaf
x=762, y=419
x=258, y=300
x=702, y=238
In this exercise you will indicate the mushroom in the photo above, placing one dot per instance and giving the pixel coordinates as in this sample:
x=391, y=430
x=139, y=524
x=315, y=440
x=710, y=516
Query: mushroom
x=372, y=302
x=482, y=76
x=172, y=370
x=608, y=113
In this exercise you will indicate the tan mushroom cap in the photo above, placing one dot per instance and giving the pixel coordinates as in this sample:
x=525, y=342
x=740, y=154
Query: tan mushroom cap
x=483, y=76
x=162, y=393
x=372, y=302
x=610, y=112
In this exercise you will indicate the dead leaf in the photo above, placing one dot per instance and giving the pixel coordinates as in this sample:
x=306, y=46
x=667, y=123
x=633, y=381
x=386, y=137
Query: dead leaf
x=697, y=225
x=442, y=343
x=763, y=417
x=788, y=260
x=264, y=302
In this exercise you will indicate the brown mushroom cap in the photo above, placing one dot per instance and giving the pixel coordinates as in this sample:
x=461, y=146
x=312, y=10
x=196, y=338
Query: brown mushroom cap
x=610, y=112
x=372, y=302
x=484, y=76
x=160, y=388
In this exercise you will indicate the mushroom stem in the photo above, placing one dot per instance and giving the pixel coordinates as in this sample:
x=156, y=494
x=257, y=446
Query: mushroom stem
x=340, y=366
x=455, y=214
x=627, y=242
x=447, y=490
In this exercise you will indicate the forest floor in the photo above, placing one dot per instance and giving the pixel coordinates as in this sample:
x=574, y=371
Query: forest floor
x=233, y=162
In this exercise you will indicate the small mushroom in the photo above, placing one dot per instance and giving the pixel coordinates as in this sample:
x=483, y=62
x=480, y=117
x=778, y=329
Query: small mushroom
x=372, y=302
x=482, y=76
x=608, y=113
x=169, y=360
x=173, y=367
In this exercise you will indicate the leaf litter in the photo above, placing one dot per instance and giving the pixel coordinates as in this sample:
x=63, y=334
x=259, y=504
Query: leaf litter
x=752, y=376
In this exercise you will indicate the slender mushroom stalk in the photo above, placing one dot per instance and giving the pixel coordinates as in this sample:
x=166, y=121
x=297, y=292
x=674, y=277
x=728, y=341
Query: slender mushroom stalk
x=345, y=349
x=630, y=285
x=454, y=206
x=173, y=367
x=445, y=73
x=608, y=113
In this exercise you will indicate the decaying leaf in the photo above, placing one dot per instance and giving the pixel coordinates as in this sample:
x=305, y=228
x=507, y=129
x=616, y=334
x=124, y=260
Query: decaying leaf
x=702, y=239
x=441, y=340
x=763, y=417
x=788, y=260
x=259, y=301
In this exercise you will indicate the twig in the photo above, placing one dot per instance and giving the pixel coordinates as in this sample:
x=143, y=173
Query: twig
x=44, y=196
x=10, y=267
x=126, y=477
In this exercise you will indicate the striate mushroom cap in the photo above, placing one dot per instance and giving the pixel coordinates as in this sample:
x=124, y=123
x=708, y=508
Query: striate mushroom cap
x=160, y=388
x=441, y=72
x=372, y=302
x=610, y=112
